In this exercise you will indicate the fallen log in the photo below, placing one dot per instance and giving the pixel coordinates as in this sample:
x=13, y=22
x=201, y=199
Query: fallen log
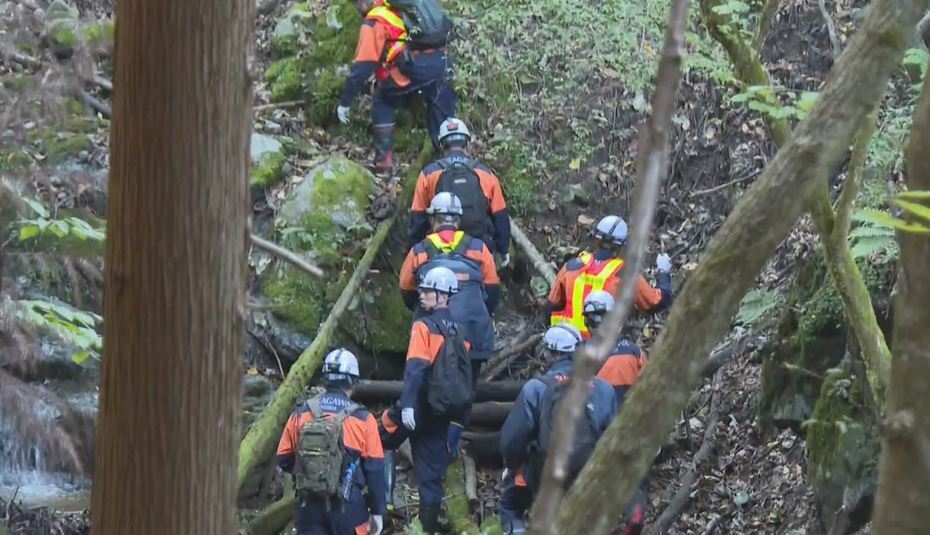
x=536, y=258
x=458, y=510
x=286, y=255
x=259, y=442
x=274, y=518
x=386, y=391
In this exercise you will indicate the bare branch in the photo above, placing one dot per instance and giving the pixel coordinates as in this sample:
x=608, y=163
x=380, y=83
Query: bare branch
x=846, y=203
x=651, y=169
x=536, y=258
x=765, y=24
x=735, y=256
x=678, y=502
x=284, y=254
x=903, y=500
x=831, y=28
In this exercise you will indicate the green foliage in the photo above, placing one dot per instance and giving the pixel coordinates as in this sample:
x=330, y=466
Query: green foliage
x=868, y=239
x=756, y=304
x=76, y=327
x=269, y=169
x=909, y=202
x=765, y=100
x=284, y=79
x=61, y=228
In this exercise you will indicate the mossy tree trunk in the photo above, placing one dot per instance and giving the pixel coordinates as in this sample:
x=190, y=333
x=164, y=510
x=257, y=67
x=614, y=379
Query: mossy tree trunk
x=903, y=504
x=175, y=269
x=832, y=226
x=735, y=256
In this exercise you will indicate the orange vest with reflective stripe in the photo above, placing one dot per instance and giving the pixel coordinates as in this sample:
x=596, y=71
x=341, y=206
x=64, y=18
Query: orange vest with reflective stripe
x=592, y=276
x=397, y=31
x=436, y=240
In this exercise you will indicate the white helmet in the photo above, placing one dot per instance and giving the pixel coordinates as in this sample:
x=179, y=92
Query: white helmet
x=340, y=364
x=445, y=203
x=452, y=130
x=611, y=228
x=441, y=279
x=599, y=301
x=563, y=338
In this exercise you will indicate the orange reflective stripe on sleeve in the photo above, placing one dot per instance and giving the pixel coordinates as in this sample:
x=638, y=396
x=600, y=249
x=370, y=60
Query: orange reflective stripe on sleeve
x=389, y=425
x=408, y=272
x=646, y=297
x=557, y=293
x=620, y=370
x=371, y=41
x=488, y=269
x=518, y=478
x=362, y=529
x=491, y=187
x=423, y=344
x=422, y=195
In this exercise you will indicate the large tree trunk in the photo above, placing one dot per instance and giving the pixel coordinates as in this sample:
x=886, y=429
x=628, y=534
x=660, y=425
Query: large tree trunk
x=903, y=500
x=175, y=269
x=760, y=221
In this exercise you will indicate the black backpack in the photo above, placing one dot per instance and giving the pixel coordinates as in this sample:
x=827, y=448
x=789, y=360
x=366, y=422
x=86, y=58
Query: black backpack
x=450, y=384
x=586, y=433
x=427, y=24
x=460, y=178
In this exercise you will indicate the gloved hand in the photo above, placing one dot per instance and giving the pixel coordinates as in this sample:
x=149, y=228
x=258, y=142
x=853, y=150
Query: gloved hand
x=664, y=263
x=452, y=439
x=406, y=416
x=505, y=475
x=505, y=260
x=342, y=112
x=375, y=524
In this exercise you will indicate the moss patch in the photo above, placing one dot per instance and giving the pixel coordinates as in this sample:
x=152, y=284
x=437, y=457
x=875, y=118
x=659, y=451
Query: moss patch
x=284, y=79
x=842, y=441
x=268, y=170
x=380, y=317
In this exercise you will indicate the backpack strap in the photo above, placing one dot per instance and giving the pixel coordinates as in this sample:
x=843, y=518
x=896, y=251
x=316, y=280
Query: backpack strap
x=314, y=405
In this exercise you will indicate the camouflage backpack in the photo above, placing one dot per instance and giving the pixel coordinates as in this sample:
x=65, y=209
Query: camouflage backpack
x=319, y=452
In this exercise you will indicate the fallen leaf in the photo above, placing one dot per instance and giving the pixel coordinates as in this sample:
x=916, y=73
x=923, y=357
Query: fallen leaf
x=585, y=220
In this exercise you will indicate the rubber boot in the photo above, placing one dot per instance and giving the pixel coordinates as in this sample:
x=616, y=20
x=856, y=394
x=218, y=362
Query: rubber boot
x=384, y=145
x=389, y=478
x=429, y=517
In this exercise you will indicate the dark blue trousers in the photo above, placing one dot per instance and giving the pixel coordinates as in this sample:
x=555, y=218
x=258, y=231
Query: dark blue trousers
x=312, y=517
x=430, y=79
x=428, y=445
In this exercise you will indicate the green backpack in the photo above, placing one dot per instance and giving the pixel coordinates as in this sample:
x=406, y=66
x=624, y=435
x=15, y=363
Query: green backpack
x=319, y=452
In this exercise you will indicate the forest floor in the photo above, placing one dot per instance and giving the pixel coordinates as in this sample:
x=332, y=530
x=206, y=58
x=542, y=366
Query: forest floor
x=755, y=478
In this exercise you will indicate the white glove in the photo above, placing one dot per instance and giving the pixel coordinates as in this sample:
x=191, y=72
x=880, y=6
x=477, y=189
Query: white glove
x=505, y=474
x=505, y=261
x=375, y=524
x=664, y=263
x=343, y=113
x=406, y=416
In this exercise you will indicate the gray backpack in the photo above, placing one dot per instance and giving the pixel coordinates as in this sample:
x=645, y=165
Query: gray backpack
x=319, y=454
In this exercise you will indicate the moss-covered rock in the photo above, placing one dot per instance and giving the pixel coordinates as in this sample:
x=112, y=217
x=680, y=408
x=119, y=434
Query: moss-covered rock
x=379, y=316
x=286, y=38
x=324, y=218
x=268, y=157
x=285, y=79
x=842, y=443
x=811, y=339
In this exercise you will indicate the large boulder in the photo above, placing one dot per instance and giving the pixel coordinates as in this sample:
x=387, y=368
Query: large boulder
x=323, y=219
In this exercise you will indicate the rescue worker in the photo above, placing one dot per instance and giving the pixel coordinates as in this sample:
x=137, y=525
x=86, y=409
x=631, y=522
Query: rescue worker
x=620, y=370
x=626, y=360
x=524, y=433
x=601, y=270
x=472, y=263
x=484, y=209
x=403, y=68
x=430, y=436
x=362, y=455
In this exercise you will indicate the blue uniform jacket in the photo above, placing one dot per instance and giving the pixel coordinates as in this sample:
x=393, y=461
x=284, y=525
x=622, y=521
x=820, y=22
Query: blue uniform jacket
x=522, y=425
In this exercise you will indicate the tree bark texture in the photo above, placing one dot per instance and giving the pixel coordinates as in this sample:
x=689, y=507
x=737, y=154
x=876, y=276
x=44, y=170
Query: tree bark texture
x=903, y=504
x=651, y=168
x=735, y=256
x=175, y=269
x=857, y=303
